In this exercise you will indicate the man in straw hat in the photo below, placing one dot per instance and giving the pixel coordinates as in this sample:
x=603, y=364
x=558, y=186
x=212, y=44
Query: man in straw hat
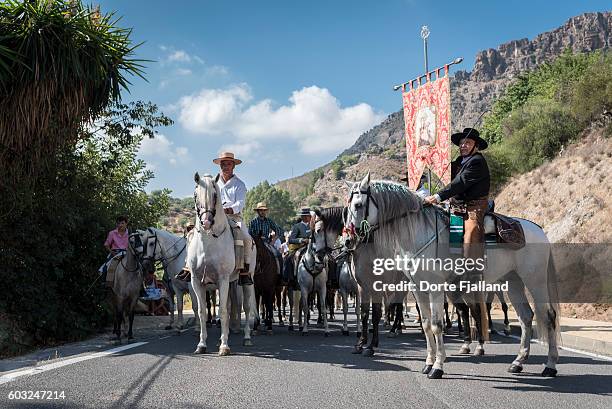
x=298, y=239
x=470, y=185
x=233, y=197
x=262, y=225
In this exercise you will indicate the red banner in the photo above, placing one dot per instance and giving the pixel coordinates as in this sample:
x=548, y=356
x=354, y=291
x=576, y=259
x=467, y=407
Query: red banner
x=427, y=126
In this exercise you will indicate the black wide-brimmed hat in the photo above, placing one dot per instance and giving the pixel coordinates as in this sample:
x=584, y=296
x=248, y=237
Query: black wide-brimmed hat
x=304, y=211
x=470, y=133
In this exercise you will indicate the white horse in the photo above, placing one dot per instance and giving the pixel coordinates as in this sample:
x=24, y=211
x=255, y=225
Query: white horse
x=211, y=258
x=312, y=273
x=348, y=285
x=171, y=250
x=398, y=224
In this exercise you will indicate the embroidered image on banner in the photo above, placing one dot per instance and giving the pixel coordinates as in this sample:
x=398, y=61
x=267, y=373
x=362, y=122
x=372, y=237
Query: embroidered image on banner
x=427, y=128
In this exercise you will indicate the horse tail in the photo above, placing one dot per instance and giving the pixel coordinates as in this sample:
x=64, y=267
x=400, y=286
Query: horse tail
x=550, y=321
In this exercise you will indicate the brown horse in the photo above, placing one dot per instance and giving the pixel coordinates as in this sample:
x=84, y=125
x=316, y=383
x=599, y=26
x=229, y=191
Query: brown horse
x=267, y=279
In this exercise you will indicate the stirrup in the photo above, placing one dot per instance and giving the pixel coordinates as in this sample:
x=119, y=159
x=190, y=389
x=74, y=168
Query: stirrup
x=183, y=275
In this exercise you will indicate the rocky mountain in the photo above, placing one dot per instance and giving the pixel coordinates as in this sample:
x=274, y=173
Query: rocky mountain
x=381, y=149
x=473, y=91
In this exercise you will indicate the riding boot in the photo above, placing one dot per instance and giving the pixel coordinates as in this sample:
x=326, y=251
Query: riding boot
x=184, y=274
x=244, y=277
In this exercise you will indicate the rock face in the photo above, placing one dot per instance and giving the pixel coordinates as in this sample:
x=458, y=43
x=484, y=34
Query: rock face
x=473, y=92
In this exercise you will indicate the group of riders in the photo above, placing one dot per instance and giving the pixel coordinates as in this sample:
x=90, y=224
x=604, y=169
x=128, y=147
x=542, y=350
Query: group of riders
x=469, y=187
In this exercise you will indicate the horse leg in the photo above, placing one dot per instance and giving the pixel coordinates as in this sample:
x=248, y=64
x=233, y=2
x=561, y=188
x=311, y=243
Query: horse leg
x=323, y=297
x=419, y=316
x=172, y=308
x=200, y=292
x=477, y=314
x=516, y=293
x=290, y=297
x=376, y=317
x=449, y=323
x=278, y=295
x=194, y=307
x=257, y=318
x=489, y=303
x=504, y=307
x=270, y=310
x=208, y=307
x=363, y=337
x=547, y=320
x=425, y=314
x=305, y=307
x=358, y=313
x=344, y=296
x=437, y=325
x=131, y=324
x=248, y=305
x=467, y=332
x=224, y=288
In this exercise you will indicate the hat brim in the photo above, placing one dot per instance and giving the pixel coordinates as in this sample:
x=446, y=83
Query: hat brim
x=260, y=208
x=457, y=137
x=218, y=161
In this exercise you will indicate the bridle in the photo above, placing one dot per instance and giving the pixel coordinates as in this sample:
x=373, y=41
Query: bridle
x=363, y=231
x=209, y=214
x=138, y=259
x=164, y=260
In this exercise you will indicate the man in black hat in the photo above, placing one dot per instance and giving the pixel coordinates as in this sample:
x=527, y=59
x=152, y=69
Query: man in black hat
x=470, y=185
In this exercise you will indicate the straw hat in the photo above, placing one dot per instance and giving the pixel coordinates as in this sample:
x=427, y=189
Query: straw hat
x=227, y=156
x=261, y=206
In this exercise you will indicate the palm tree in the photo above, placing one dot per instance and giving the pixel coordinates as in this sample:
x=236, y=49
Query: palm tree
x=61, y=65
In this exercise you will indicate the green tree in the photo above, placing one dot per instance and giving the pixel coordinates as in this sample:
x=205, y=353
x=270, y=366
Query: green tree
x=282, y=209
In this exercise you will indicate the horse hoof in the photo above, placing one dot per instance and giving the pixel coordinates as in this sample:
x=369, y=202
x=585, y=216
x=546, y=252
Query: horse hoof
x=300, y=329
x=435, y=374
x=368, y=352
x=326, y=334
x=549, y=372
x=225, y=351
x=345, y=332
x=464, y=350
x=200, y=350
x=247, y=343
x=290, y=328
x=515, y=369
x=168, y=327
x=426, y=369
x=391, y=334
x=357, y=350
x=254, y=332
x=281, y=324
x=479, y=352
x=269, y=332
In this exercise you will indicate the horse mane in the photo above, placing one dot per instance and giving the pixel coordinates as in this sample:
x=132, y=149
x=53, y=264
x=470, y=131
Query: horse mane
x=401, y=221
x=332, y=218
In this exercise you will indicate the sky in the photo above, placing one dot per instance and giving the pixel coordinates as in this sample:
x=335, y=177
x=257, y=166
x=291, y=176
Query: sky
x=289, y=85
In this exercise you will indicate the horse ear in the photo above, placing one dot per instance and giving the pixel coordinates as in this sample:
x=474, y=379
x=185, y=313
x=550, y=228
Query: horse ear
x=365, y=182
x=349, y=184
x=196, y=177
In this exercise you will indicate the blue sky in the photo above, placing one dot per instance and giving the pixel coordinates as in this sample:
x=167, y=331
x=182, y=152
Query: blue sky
x=288, y=85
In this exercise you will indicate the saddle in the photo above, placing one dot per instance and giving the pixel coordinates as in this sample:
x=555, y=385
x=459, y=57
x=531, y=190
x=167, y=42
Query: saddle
x=508, y=230
x=112, y=267
x=497, y=228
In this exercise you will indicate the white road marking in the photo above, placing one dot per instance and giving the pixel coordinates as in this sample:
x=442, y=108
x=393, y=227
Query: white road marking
x=44, y=368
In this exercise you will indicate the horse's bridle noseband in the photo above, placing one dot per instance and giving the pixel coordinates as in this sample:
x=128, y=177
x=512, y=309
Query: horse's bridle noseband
x=200, y=213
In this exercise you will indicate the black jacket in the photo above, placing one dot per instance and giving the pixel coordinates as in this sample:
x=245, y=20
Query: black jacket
x=470, y=181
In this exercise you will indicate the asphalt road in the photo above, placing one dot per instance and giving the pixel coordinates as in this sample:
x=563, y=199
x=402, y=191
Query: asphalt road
x=287, y=370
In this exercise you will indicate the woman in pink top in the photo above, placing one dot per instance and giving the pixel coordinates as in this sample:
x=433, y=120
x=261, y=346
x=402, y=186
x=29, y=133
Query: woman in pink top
x=118, y=239
x=116, y=242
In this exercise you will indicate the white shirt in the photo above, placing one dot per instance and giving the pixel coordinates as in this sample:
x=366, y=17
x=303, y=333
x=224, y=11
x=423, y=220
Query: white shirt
x=277, y=244
x=233, y=193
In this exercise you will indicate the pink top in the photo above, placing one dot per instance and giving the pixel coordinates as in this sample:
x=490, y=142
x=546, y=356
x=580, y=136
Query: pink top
x=117, y=241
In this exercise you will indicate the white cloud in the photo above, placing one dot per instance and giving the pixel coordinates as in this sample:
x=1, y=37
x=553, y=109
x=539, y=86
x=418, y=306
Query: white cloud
x=161, y=147
x=183, y=71
x=213, y=111
x=245, y=151
x=313, y=118
x=179, y=55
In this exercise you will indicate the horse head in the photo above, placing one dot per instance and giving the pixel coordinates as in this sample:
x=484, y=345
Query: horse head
x=206, y=197
x=151, y=249
x=362, y=211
